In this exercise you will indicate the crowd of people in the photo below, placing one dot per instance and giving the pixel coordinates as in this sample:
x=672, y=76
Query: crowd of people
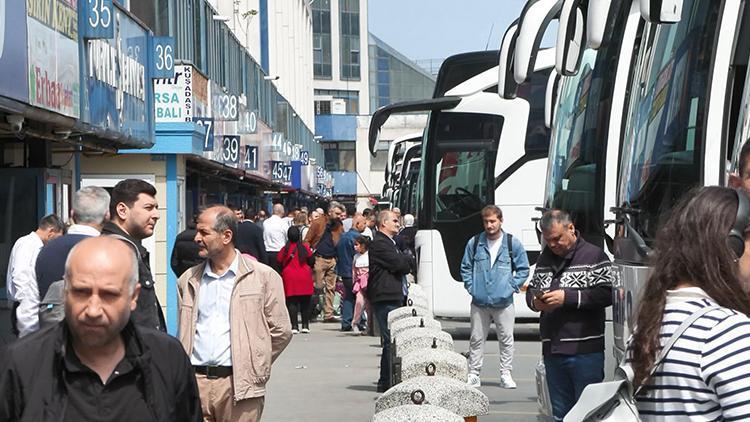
x=92, y=336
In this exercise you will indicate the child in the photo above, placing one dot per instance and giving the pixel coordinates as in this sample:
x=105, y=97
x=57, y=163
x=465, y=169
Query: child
x=360, y=271
x=296, y=260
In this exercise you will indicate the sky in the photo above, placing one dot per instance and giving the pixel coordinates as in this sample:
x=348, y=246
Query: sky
x=436, y=29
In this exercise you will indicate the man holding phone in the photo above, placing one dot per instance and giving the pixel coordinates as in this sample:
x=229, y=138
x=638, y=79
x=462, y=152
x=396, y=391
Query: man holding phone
x=493, y=268
x=571, y=287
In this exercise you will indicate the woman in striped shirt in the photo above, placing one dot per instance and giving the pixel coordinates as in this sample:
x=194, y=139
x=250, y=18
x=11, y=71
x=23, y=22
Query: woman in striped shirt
x=706, y=374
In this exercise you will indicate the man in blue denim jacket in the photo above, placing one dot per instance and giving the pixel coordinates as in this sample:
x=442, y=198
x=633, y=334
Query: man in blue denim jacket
x=494, y=267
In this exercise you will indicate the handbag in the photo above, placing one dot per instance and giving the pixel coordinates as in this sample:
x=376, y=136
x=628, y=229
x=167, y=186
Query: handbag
x=615, y=400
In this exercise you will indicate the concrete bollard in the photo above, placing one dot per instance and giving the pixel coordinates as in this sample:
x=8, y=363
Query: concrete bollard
x=447, y=364
x=405, y=324
x=453, y=395
x=417, y=412
x=419, y=302
x=406, y=312
x=411, y=340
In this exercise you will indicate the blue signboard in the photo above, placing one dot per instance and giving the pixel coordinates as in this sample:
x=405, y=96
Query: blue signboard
x=97, y=19
x=13, y=50
x=117, y=93
x=230, y=149
x=296, y=174
x=251, y=157
x=208, y=123
x=162, y=53
x=304, y=157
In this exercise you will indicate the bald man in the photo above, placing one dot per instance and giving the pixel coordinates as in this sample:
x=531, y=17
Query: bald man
x=96, y=361
x=233, y=321
x=345, y=251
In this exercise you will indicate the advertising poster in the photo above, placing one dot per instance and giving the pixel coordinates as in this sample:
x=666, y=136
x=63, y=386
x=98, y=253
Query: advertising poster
x=174, y=100
x=13, y=50
x=53, y=72
x=118, y=93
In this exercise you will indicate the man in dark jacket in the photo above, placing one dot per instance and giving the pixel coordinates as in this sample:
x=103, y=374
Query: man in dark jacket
x=386, y=286
x=250, y=236
x=134, y=212
x=185, y=251
x=572, y=286
x=96, y=364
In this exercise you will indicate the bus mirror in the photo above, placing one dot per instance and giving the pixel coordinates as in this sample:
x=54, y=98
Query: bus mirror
x=550, y=98
x=506, y=85
x=570, y=38
x=596, y=22
x=661, y=11
x=534, y=20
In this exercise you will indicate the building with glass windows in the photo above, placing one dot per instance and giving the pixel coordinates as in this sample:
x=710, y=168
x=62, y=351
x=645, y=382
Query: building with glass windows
x=349, y=86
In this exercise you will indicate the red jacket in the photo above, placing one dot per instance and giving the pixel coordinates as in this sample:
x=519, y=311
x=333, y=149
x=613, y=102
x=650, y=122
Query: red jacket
x=298, y=278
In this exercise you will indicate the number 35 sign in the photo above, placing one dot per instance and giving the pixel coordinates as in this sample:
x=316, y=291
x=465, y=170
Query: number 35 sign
x=98, y=19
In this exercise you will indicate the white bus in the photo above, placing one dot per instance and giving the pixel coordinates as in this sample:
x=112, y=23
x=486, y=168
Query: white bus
x=478, y=149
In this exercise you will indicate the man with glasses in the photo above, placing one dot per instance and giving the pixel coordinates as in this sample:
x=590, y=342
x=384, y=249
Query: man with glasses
x=386, y=287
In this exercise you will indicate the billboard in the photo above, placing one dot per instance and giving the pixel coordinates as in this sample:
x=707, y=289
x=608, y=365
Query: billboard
x=13, y=50
x=173, y=97
x=117, y=90
x=53, y=72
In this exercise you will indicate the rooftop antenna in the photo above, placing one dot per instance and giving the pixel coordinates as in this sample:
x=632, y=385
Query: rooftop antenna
x=489, y=37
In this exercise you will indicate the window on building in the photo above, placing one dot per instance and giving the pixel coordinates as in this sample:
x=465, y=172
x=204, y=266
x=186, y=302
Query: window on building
x=323, y=107
x=322, y=39
x=340, y=156
x=349, y=49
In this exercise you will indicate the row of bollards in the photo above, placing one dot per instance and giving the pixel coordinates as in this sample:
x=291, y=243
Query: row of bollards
x=428, y=376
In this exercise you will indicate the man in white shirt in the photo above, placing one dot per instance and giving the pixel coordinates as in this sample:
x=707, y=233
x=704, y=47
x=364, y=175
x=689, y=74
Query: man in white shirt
x=274, y=235
x=21, y=277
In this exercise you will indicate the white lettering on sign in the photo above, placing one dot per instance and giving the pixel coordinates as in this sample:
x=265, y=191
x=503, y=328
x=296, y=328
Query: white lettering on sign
x=104, y=63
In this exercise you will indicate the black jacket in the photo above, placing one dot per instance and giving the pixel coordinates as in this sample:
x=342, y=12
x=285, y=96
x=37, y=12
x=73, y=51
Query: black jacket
x=148, y=313
x=249, y=240
x=185, y=252
x=388, y=266
x=585, y=275
x=33, y=390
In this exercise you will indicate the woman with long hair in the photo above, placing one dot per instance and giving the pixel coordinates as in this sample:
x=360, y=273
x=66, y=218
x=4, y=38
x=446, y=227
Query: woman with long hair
x=705, y=375
x=296, y=260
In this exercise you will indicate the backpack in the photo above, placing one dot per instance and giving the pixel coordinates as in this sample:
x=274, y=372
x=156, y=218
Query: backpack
x=51, y=307
x=510, y=249
x=614, y=401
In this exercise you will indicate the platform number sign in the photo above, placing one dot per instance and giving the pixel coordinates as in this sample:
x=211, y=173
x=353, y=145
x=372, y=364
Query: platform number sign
x=227, y=107
x=208, y=139
x=230, y=149
x=162, y=61
x=99, y=19
x=251, y=157
x=281, y=172
x=304, y=157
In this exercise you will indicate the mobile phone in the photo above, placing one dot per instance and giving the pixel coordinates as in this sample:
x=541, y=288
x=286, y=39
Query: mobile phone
x=538, y=293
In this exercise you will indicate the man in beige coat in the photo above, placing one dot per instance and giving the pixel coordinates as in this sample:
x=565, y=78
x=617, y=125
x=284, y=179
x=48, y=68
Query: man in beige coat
x=233, y=322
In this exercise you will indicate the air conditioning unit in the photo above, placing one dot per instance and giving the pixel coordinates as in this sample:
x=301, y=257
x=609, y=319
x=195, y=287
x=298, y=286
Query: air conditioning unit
x=338, y=106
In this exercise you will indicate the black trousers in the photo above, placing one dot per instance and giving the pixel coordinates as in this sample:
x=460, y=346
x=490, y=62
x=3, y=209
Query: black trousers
x=272, y=261
x=299, y=304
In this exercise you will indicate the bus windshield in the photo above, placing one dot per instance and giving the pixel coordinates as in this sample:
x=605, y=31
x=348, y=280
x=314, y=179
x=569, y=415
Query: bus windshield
x=464, y=163
x=662, y=149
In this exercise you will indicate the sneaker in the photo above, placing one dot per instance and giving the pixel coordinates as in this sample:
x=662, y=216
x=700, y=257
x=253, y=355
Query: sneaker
x=474, y=381
x=332, y=319
x=506, y=381
x=356, y=331
x=295, y=331
x=346, y=329
x=305, y=331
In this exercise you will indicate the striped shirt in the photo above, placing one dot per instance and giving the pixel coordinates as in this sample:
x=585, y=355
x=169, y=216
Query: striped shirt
x=706, y=374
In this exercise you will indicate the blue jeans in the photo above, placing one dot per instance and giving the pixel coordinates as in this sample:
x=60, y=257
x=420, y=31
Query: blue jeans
x=347, y=304
x=568, y=375
x=381, y=315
